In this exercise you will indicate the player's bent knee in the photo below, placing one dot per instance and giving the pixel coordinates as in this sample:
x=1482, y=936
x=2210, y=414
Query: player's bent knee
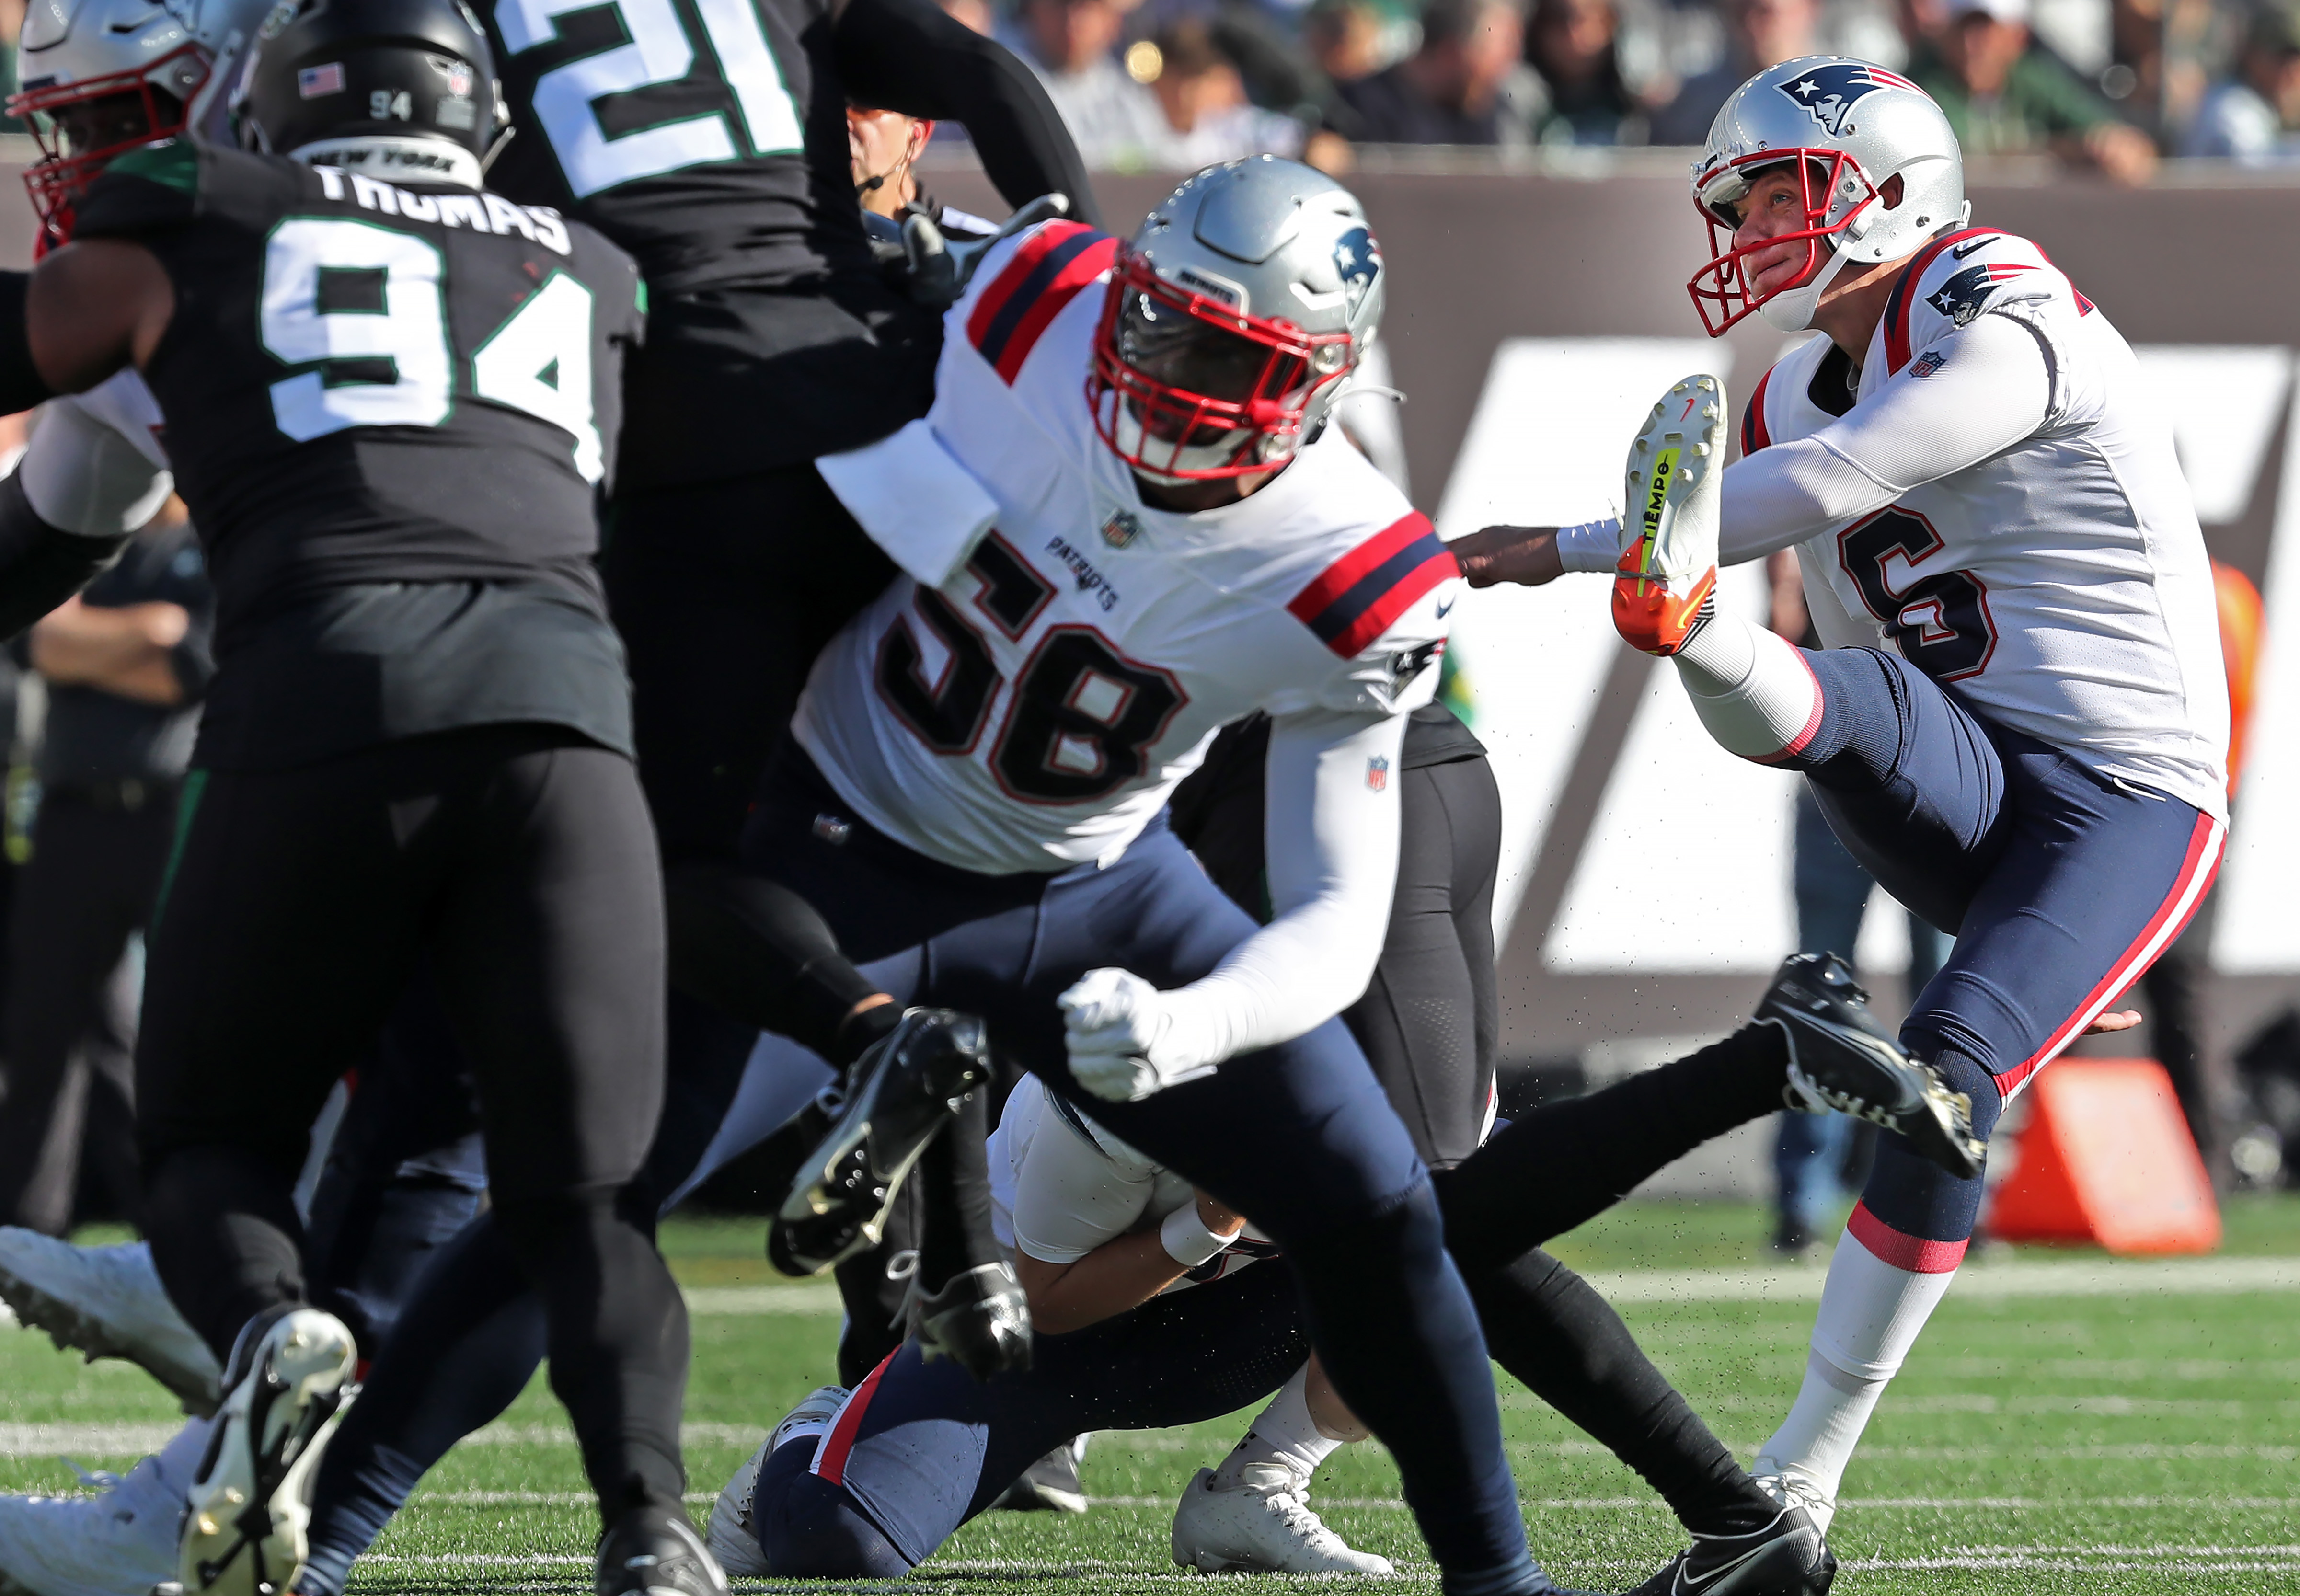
x=812, y=1529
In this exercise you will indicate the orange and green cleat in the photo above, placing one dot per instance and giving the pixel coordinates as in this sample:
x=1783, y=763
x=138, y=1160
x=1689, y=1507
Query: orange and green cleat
x=1666, y=578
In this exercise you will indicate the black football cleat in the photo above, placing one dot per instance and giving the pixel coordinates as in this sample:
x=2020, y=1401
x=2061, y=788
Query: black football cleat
x=1787, y=1557
x=900, y=1093
x=978, y=1319
x=1840, y=1058
x=653, y=1550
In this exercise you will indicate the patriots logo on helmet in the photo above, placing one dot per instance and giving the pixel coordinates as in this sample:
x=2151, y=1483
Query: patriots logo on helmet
x=1829, y=93
x=1357, y=258
x=1964, y=295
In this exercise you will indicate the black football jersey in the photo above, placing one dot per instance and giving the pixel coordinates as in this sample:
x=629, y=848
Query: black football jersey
x=706, y=136
x=366, y=382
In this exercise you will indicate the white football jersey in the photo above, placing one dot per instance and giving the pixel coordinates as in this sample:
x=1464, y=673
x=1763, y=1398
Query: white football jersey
x=1034, y=711
x=2060, y=586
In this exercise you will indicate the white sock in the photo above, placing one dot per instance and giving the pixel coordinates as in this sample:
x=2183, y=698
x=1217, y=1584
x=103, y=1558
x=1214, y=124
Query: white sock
x=1283, y=1449
x=1871, y=1314
x=1752, y=689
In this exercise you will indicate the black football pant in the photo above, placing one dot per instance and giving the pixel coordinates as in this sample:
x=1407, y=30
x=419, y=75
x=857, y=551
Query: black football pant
x=295, y=908
x=87, y=887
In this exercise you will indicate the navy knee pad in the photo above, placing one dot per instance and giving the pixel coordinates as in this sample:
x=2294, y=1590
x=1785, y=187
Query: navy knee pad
x=1863, y=719
x=1916, y=1196
x=812, y=1529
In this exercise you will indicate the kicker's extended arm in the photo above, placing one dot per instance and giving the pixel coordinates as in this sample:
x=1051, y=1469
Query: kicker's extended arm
x=1989, y=389
x=908, y=55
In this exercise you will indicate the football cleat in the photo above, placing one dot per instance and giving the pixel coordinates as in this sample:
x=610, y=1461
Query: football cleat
x=1665, y=581
x=250, y=1501
x=729, y=1533
x=1795, y=1491
x=1840, y=1058
x=901, y=1092
x=651, y=1550
x=1787, y=1557
x=978, y=1319
x=108, y=1302
x=1261, y=1532
x=1050, y=1485
x=121, y=1542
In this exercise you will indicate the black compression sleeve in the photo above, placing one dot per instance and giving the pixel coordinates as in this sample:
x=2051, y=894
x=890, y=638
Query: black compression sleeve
x=21, y=385
x=907, y=55
x=41, y=566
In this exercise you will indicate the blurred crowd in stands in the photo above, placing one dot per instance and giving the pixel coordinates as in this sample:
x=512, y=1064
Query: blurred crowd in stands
x=2110, y=85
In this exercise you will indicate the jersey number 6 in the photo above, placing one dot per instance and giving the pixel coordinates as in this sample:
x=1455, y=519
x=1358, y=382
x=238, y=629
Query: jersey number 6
x=1082, y=716
x=1939, y=622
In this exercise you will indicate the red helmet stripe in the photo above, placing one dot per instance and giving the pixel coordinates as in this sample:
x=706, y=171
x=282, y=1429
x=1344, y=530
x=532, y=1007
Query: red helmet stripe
x=1046, y=274
x=1358, y=597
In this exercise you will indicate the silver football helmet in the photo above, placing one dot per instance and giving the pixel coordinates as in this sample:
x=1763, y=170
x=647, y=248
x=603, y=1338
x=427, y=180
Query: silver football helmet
x=103, y=77
x=1850, y=128
x=1237, y=308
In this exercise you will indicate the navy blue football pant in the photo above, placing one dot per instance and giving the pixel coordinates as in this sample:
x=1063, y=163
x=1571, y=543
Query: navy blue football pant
x=2060, y=884
x=1300, y=1136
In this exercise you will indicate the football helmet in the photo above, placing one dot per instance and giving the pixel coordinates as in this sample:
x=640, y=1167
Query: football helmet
x=103, y=77
x=1236, y=311
x=400, y=88
x=1850, y=128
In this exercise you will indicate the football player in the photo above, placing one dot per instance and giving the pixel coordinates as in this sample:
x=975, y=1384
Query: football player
x=389, y=414
x=1123, y=525
x=2018, y=724
x=1136, y=1278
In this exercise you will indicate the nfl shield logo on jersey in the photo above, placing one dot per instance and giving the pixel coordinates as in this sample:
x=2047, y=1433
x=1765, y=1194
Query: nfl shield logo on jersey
x=1121, y=530
x=1377, y=773
x=1830, y=92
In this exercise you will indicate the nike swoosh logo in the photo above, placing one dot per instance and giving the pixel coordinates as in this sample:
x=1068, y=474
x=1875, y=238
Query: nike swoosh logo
x=1689, y=1580
x=1446, y=608
x=1959, y=252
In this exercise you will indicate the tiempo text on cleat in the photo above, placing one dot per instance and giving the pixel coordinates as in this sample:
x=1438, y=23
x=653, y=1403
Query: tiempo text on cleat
x=901, y=1094
x=1665, y=581
x=1841, y=1058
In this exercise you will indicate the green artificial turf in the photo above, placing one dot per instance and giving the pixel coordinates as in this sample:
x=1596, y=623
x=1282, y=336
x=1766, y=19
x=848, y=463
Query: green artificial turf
x=2034, y=1444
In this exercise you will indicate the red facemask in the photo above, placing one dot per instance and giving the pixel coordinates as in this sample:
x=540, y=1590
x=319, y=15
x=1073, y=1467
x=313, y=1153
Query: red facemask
x=1720, y=290
x=1194, y=375
x=58, y=181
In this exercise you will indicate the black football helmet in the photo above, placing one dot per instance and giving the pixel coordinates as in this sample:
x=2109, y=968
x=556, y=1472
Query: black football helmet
x=328, y=71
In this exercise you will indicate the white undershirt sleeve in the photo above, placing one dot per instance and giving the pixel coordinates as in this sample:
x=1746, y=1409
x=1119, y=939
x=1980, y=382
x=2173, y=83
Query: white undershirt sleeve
x=1990, y=388
x=1330, y=822
x=80, y=476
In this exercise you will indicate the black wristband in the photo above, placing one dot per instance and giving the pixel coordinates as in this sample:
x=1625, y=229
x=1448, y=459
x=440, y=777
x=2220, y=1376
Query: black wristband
x=41, y=566
x=21, y=387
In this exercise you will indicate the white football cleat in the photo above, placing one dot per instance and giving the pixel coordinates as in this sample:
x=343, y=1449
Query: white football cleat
x=1667, y=573
x=729, y=1534
x=1793, y=1490
x=122, y=1543
x=1260, y=1532
x=250, y=1505
x=108, y=1302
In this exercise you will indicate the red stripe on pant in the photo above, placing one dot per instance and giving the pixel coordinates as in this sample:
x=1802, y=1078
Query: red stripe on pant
x=831, y=1461
x=2171, y=918
x=1900, y=1250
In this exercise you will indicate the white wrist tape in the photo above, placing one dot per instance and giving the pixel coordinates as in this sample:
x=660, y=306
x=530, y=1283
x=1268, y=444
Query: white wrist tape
x=1593, y=545
x=1186, y=1238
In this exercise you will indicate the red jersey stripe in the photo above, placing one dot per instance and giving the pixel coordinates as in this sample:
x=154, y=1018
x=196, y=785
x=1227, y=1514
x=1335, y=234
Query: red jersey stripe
x=1754, y=434
x=1344, y=573
x=1078, y=274
x=1383, y=613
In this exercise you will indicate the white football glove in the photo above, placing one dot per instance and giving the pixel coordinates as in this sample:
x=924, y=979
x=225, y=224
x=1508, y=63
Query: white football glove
x=1121, y=1035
